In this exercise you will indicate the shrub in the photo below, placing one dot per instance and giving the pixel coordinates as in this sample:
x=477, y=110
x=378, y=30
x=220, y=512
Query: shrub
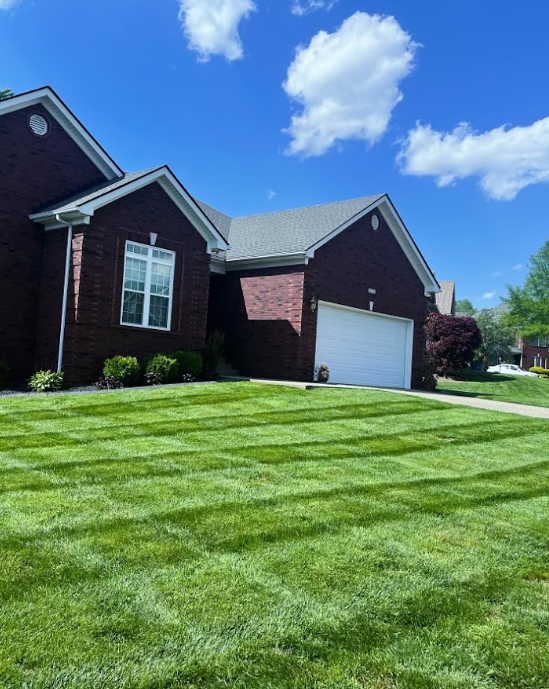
x=4, y=370
x=46, y=381
x=161, y=369
x=125, y=369
x=451, y=341
x=189, y=363
x=212, y=352
x=543, y=372
x=108, y=383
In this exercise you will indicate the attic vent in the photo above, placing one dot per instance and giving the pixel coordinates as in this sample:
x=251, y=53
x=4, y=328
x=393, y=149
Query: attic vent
x=38, y=124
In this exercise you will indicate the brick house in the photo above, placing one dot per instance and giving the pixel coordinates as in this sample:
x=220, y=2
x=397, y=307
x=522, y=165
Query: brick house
x=96, y=262
x=534, y=352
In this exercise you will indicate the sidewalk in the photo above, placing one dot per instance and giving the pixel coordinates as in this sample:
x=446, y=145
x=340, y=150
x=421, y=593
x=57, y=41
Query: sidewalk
x=477, y=402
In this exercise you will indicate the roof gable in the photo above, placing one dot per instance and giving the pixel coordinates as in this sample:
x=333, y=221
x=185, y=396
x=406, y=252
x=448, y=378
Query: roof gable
x=80, y=208
x=292, y=236
x=47, y=97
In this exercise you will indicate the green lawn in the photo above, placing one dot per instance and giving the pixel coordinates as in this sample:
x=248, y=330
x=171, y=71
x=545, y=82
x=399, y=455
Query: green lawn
x=248, y=536
x=503, y=388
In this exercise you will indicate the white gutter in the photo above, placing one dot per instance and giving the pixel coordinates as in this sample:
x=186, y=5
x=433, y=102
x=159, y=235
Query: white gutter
x=65, y=291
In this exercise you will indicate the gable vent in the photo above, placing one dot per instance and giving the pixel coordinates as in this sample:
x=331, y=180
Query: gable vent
x=38, y=124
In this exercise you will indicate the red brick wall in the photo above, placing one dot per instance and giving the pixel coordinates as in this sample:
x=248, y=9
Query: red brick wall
x=34, y=172
x=529, y=351
x=260, y=313
x=270, y=328
x=93, y=318
x=345, y=268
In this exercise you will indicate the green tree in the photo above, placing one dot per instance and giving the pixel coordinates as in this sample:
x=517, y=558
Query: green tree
x=529, y=304
x=465, y=306
x=497, y=337
x=6, y=93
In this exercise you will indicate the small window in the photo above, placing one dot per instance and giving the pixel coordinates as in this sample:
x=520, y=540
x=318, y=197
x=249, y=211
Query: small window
x=538, y=342
x=148, y=286
x=39, y=125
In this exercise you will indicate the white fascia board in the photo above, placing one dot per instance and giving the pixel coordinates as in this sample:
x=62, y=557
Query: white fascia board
x=50, y=222
x=72, y=126
x=401, y=234
x=175, y=190
x=216, y=239
x=391, y=216
x=217, y=266
x=267, y=261
x=171, y=185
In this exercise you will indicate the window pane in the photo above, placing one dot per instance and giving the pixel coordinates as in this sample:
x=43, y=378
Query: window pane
x=163, y=255
x=134, y=274
x=160, y=279
x=137, y=249
x=158, y=312
x=132, y=311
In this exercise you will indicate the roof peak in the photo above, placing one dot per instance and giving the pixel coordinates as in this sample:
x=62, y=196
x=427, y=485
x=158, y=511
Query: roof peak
x=367, y=199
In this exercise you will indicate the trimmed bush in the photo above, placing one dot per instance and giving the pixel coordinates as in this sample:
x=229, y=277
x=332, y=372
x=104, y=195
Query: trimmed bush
x=212, y=352
x=46, y=381
x=161, y=369
x=125, y=369
x=189, y=363
x=543, y=372
x=4, y=370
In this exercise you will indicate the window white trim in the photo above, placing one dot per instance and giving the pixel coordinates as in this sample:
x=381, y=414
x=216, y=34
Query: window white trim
x=537, y=360
x=149, y=260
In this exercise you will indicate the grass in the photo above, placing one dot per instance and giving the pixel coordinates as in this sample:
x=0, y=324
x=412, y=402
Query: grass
x=502, y=388
x=249, y=536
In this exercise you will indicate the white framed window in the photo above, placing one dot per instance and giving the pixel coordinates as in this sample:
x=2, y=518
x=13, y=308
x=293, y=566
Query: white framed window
x=148, y=286
x=538, y=361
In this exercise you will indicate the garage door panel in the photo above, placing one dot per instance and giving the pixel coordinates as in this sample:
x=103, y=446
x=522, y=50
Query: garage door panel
x=362, y=348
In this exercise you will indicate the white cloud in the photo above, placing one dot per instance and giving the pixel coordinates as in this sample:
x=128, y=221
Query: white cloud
x=302, y=7
x=347, y=83
x=506, y=160
x=497, y=274
x=518, y=266
x=8, y=4
x=270, y=194
x=211, y=26
x=488, y=295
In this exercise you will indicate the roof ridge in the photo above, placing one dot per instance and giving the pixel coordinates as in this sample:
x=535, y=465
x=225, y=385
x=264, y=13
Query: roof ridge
x=316, y=205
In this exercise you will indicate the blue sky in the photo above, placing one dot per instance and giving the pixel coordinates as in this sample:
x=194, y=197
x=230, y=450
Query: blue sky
x=259, y=105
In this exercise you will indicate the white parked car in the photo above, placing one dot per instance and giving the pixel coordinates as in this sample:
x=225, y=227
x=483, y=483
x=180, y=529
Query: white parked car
x=511, y=369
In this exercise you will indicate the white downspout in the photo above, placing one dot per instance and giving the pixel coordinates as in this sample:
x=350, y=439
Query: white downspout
x=65, y=291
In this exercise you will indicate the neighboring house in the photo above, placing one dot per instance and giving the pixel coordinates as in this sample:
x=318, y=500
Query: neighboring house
x=446, y=298
x=534, y=351
x=95, y=262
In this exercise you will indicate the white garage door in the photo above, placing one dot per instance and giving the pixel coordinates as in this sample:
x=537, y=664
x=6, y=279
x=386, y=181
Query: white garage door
x=363, y=348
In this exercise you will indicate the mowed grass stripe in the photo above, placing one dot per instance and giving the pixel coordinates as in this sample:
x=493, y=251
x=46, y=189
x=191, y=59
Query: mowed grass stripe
x=247, y=536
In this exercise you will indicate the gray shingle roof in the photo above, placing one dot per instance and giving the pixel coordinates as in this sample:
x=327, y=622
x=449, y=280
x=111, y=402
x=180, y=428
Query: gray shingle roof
x=284, y=232
x=99, y=190
x=220, y=220
x=445, y=299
